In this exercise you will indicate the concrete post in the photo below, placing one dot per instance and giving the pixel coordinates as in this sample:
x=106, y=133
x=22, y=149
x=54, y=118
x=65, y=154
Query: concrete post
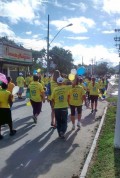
x=117, y=125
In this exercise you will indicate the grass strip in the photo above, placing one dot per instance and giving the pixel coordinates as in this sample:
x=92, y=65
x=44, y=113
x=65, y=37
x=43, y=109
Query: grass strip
x=106, y=159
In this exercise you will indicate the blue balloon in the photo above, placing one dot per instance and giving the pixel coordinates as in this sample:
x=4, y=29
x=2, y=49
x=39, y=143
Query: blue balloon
x=81, y=71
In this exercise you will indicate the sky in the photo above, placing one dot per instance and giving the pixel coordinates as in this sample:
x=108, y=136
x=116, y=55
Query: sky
x=90, y=38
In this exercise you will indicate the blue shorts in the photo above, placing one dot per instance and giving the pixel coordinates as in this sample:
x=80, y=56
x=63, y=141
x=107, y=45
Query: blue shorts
x=21, y=90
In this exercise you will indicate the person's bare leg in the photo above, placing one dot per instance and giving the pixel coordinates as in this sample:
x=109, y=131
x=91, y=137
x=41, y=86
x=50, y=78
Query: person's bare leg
x=73, y=122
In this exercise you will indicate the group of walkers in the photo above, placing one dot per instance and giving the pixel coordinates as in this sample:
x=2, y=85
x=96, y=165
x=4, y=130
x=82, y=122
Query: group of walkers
x=61, y=93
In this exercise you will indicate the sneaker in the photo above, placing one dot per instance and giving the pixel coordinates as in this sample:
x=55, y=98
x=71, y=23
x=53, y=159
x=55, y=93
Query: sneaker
x=78, y=125
x=92, y=111
x=13, y=132
x=62, y=135
x=35, y=119
x=1, y=137
x=73, y=127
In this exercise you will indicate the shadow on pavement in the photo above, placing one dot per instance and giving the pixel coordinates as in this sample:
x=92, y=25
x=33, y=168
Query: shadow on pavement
x=19, y=106
x=36, y=157
x=22, y=126
x=89, y=119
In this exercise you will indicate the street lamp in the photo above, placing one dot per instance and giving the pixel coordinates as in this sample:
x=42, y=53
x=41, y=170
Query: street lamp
x=48, y=43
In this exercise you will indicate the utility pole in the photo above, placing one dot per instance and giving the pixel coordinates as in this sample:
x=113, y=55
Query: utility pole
x=48, y=47
x=117, y=125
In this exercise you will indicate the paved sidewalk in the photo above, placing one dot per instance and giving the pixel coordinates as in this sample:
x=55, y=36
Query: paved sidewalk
x=37, y=152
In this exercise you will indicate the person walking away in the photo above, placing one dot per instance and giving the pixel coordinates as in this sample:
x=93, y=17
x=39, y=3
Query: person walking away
x=50, y=87
x=93, y=88
x=36, y=96
x=20, y=83
x=5, y=112
x=28, y=80
x=60, y=104
x=76, y=97
x=11, y=85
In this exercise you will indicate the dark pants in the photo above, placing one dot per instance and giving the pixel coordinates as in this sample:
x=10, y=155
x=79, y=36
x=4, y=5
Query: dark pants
x=36, y=107
x=61, y=118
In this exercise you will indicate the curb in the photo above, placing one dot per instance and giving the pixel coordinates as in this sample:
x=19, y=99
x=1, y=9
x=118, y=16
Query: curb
x=90, y=154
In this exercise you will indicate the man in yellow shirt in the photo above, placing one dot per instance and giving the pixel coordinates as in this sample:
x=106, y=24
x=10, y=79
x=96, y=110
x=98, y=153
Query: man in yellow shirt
x=20, y=83
x=60, y=104
x=93, y=88
x=36, y=96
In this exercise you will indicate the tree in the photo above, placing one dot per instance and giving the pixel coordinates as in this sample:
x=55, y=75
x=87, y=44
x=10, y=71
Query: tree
x=101, y=69
x=38, y=57
x=62, y=58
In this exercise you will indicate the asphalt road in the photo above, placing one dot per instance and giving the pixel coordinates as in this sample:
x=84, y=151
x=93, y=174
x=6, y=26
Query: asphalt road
x=37, y=152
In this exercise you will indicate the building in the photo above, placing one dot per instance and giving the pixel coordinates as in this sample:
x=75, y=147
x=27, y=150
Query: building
x=14, y=58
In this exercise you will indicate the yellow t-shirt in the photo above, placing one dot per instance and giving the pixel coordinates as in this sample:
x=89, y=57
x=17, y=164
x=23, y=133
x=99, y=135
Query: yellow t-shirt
x=94, y=90
x=53, y=85
x=75, y=95
x=45, y=80
x=36, y=89
x=28, y=80
x=43, y=84
x=102, y=85
x=4, y=95
x=20, y=81
x=60, y=97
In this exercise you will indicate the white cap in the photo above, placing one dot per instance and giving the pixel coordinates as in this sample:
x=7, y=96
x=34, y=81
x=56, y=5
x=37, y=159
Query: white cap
x=60, y=80
x=20, y=73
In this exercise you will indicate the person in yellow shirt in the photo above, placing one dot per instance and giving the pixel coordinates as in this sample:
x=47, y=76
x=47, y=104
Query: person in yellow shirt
x=102, y=83
x=28, y=79
x=76, y=97
x=60, y=104
x=36, y=96
x=50, y=87
x=11, y=85
x=20, y=83
x=5, y=112
x=93, y=88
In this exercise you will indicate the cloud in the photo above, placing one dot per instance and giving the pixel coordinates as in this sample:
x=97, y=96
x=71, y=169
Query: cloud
x=111, y=6
x=88, y=53
x=29, y=33
x=80, y=24
x=108, y=32
x=82, y=6
x=78, y=38
x=59, y=5
x=17, y=10
x=118, y=22
x=5, y=30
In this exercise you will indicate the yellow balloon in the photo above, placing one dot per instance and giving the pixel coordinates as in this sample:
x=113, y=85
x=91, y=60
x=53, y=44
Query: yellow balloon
x=71, y=77
x=28, y=103
x=38, y=70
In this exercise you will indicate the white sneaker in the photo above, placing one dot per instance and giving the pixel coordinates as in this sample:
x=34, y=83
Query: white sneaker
x=78, y=125
x=73, y=127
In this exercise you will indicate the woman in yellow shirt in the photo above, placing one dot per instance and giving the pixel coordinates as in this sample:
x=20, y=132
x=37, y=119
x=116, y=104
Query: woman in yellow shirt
x=5, y=112
x=76, y=97
x=11, y=85
x=93, y=88
x=36, y=97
